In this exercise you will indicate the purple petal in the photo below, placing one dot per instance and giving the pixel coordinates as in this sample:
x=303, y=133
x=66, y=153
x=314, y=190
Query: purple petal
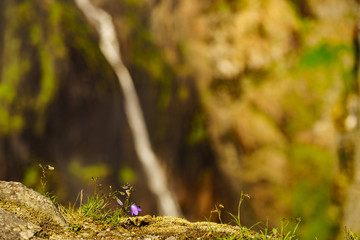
x=134, y=210
x=119, y=202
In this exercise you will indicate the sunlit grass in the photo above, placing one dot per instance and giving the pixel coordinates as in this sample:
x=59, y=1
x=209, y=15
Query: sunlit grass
x=265, y=232
x=349, y=235
x=43, y=182
x=96, y=208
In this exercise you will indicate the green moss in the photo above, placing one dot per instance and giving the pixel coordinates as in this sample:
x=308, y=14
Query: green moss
x=14, y=68
x=322, y=54
x=40, y=41
x=313, y=167
x=198, y=132
x=127, y=175
x=31, y=176
x=50, y=48
x=304, y=156
x=85, y=173
x=317, y=72
x=31, y=215
x=44, y=36
x=10, y=123
x=47, y=80
x=224, y=6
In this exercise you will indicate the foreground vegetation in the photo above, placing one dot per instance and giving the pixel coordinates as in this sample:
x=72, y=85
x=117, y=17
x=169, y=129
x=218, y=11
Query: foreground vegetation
x=102, y=213
x=106, y=212
x=93, y=214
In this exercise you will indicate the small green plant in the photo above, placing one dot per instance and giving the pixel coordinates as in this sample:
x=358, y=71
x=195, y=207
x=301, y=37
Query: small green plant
x=43, y=182
x=236, y=219
x=280, y=233
x=97, y=209
x=264, y=233
x=349, y=235
x=75, y=227
x=217, y=210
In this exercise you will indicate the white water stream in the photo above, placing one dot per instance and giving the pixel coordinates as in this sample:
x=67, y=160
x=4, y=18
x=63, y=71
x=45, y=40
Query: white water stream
x=109, y=46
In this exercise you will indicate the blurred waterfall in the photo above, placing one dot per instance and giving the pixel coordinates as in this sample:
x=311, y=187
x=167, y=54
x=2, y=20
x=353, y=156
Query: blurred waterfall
x=109, y=46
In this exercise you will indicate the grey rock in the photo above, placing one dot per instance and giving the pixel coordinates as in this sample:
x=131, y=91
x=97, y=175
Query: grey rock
x=30, y=205
x=13, y=227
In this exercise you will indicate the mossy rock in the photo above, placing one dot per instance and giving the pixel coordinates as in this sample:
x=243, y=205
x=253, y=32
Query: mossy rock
x=34, y=216
x=151, y=228
x=29, y=204
x=13, y=227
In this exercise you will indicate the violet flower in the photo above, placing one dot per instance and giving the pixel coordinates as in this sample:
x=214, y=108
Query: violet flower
x=135, y=210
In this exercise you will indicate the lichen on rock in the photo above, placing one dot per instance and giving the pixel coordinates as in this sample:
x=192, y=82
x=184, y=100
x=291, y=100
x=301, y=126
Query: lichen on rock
x=30, y=205
x=13, y=227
